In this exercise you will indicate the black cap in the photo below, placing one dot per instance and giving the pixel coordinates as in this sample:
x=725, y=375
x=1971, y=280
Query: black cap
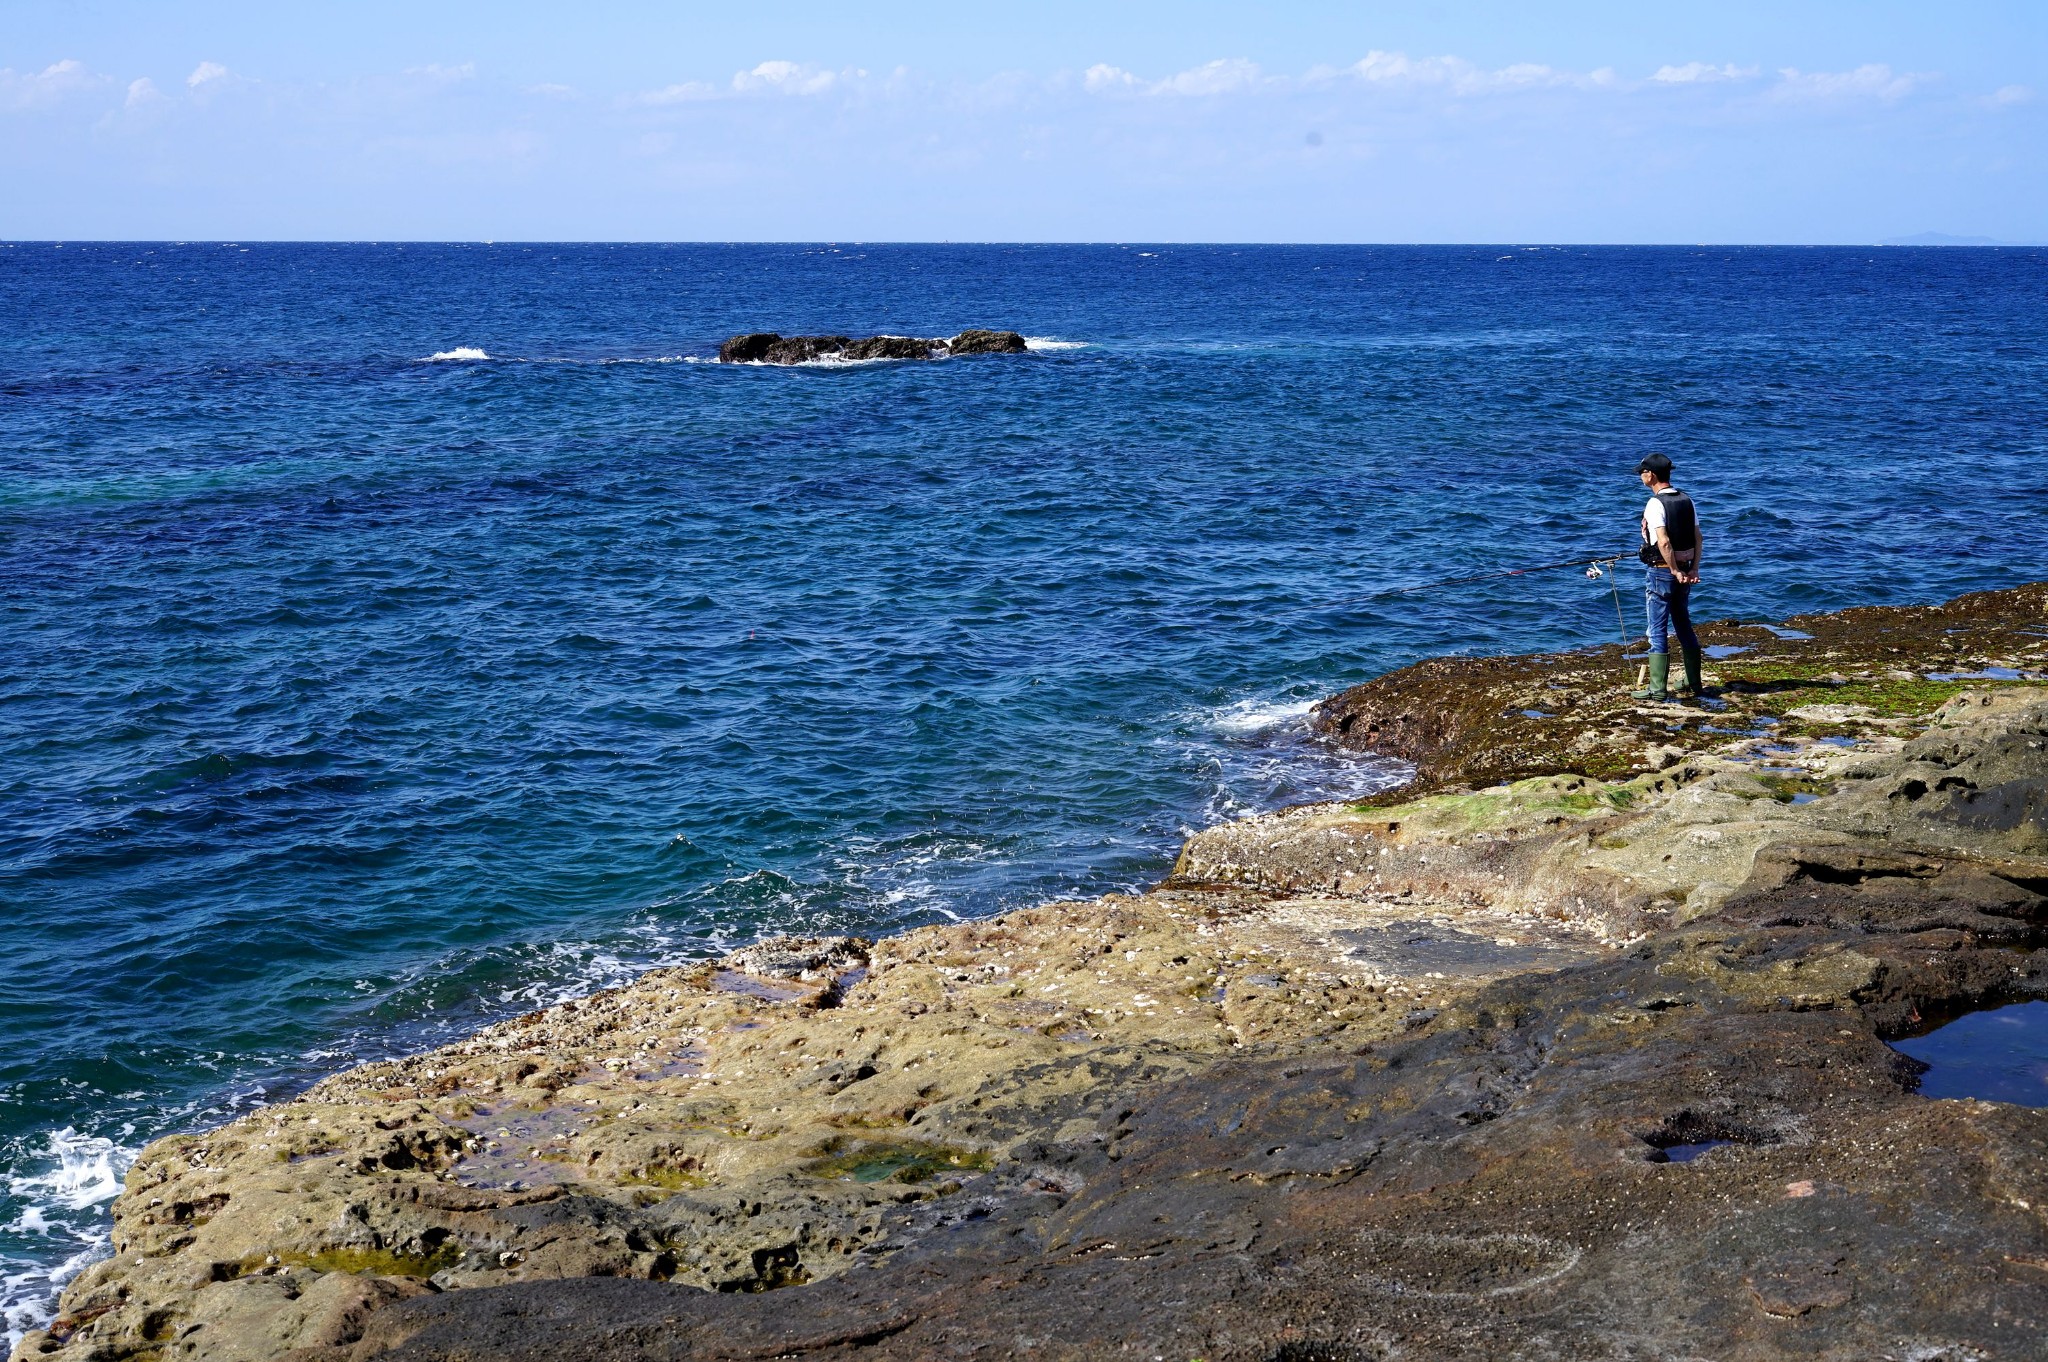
x=1656, y=465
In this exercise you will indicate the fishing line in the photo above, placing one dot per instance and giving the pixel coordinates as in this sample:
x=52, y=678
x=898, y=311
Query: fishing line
x=1595, y=567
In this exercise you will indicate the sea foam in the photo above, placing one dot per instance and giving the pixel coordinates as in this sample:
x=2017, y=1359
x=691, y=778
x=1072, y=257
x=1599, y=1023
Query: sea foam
x=460, y=352
x=56, y=1200
x=1256, y=716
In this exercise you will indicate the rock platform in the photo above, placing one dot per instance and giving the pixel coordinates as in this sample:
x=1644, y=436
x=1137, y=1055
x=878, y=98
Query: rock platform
x=1587, y=1064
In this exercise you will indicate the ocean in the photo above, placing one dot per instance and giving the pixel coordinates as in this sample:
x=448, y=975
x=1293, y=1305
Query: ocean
x=400, y=637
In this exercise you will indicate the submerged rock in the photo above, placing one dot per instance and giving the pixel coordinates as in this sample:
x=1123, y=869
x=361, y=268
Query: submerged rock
x=1567, y=1067
x=769, y=348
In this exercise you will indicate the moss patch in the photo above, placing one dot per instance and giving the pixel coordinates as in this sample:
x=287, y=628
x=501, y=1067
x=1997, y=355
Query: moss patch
x=373, y=1262
x=1785, y=789
x=1791, y=684
x=909, y=1162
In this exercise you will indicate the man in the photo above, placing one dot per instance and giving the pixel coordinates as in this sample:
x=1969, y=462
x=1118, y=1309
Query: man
x=1671, y=552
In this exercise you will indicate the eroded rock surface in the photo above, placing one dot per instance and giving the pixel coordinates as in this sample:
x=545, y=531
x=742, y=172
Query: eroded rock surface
x=1416, y=1081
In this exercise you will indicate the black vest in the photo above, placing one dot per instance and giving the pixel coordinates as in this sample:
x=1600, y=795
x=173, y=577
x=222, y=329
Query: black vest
x=1679, y=524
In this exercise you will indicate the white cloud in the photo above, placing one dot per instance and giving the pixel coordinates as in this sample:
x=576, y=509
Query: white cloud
x=1225, y=75
x=1102, y=76
x=1702, y=72
x=552, y=91
x=205, y=72
x=1212, y=78
x=2012, y=94
x=1524, y=74
x=142, y=92
x=39, y=89
x=788, y=78
x=1461, y=77
x=1874, y=80
x=770, y=77
x=1387, y=68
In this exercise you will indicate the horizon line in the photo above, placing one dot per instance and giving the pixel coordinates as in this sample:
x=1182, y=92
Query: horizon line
x=1895, y=243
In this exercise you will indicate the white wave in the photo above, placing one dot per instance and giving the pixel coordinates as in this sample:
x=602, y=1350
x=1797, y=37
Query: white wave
x=1049, y=343
x=85, y=1170
x=28, y=1291
x=460, y=352
x=1259, y=754
x=1256, y=716
x=57, y=1197
x=825, y=362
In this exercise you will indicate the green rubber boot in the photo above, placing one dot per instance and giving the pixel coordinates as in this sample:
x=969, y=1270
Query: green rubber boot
x=1693, y=688
x=1660, y=679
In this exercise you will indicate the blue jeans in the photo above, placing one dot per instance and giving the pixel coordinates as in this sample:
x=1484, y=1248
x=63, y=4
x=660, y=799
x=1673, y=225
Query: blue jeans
x=1669, y=602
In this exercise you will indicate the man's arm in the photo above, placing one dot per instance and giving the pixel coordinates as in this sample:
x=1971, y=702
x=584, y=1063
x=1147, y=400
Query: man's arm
x=1670, y=556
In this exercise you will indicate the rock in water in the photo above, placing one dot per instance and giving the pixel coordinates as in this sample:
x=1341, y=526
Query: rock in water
x=767, y=347
x=891, y=347
x=804, y=349
x=977, y=342
x=748, y=349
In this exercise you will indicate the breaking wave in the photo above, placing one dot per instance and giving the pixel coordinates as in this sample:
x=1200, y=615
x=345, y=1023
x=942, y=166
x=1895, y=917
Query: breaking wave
x=58, y=1227
x=1260, y=754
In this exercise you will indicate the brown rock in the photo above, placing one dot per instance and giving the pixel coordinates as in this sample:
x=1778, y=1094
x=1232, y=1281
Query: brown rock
x=766, y=347
x=747, y=349
x=975, y=342
x=891, y=347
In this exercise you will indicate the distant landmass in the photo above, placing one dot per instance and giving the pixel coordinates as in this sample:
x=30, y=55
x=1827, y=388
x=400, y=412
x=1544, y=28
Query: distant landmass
x=1944, y=239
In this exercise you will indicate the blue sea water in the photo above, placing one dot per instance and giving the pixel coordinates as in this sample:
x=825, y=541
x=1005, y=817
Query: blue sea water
x=400, y=636
x=1997, y=1055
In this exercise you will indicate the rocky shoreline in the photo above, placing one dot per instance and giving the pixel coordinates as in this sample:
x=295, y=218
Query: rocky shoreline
x=1590, y=1063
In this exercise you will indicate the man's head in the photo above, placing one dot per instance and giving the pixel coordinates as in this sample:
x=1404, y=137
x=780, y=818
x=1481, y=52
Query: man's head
x=1655, y=470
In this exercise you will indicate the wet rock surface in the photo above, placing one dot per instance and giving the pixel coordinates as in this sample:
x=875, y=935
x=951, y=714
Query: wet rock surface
x=1565, y=1068
x=767, y=347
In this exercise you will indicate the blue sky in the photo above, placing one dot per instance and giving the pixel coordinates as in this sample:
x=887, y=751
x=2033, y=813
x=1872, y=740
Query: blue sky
x=1726, y=122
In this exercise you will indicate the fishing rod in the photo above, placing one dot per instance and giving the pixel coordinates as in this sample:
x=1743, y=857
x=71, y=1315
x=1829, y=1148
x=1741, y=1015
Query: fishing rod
x=1596, y=567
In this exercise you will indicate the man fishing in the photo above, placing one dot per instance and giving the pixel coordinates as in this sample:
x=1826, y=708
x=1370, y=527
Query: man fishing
x=1671, y=553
